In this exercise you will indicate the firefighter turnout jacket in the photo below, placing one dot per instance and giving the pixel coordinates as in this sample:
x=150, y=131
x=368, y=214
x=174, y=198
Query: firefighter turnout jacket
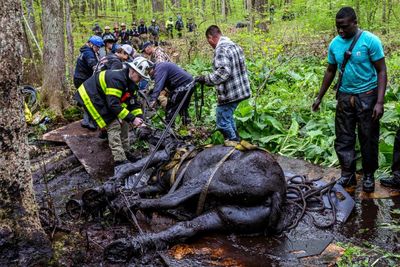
x=102, y=93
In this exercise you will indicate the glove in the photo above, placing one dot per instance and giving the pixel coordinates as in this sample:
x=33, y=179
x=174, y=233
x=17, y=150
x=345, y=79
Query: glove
x=153, y=104
x=137, y=122
x=200, y=79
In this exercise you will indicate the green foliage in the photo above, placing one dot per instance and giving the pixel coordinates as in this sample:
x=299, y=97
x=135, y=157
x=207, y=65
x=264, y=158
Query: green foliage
x=284, y=84
x=366, y=255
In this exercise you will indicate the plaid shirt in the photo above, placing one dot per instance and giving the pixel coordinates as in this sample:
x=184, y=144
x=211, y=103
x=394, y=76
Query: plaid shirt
x=159, y=56
x=230, y=74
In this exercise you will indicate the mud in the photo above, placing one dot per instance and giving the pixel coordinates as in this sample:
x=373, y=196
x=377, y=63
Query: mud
x=84, y=241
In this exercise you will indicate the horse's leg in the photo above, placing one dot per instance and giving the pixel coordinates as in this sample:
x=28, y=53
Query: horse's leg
x=227, y=218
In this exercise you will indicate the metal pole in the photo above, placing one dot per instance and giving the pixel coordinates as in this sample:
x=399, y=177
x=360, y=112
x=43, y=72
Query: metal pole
x=190, y=85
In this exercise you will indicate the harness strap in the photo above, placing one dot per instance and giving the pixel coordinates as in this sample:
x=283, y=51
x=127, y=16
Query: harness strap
x=204, y=191
x=179, y=164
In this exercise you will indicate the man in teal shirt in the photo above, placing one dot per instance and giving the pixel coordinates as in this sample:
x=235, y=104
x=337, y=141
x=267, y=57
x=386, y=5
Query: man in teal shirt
x=359, y=99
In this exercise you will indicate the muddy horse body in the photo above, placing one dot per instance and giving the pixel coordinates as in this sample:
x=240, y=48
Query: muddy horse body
x=244, y=194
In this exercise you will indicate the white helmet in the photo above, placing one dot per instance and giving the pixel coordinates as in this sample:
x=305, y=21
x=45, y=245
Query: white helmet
x=141, y=66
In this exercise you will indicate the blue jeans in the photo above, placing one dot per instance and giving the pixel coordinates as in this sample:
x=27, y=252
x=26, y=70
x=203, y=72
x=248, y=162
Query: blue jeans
x=225, y=121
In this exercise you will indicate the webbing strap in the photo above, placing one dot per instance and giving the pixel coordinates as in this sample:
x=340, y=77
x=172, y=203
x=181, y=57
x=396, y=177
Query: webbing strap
x=204, y=191
x=178, y=165
x=90, y=107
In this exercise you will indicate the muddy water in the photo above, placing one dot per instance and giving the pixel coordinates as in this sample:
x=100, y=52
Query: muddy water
x=293, y=248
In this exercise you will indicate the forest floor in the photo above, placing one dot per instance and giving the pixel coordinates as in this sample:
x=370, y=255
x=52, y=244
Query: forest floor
x=366, y=238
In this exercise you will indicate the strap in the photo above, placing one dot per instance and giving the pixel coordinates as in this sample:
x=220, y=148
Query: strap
x=346, y=57
x=204, y=191
x=347, y=54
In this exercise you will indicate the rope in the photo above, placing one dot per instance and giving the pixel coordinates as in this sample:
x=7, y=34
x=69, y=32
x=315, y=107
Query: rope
x=301, y=192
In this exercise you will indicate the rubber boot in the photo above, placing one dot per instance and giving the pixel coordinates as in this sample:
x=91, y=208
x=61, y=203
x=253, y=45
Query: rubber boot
x=347, y=180
x=393, y=181
x=368, y=183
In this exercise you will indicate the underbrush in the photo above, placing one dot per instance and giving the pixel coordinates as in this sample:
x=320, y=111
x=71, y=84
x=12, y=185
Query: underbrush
x=284, y=83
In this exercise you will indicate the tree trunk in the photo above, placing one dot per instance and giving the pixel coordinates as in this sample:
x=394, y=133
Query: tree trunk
x=158, y=6
x=31, y=16
x=54, y=94
x=23, y=241
x=70, y=39
x=96, y=9
x=134, y=10
x=250, y=10
x=259, y=6
x=223, y=10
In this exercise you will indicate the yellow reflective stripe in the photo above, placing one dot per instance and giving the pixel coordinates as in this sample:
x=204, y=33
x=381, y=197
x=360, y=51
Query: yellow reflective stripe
x=136, y=112
x=90, y=107
x=124, y=112
x=102, y=80
x=114, y=92
x=124, y=105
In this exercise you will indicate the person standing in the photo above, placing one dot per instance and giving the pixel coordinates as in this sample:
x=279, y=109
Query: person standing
x=169, y=26
x=394, y=181
x=155, y=54
x=360, y=97
x=191, y=26
x=230, y=79
x=176, y=80
x=154, y=31
x=116, y=31
x=142, y=29
x=102, y=97
x=124, y=34
x=97, y=30
x=87, y=60
x=179, y=26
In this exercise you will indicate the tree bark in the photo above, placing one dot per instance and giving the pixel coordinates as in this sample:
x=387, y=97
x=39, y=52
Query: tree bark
x=31, y=16
x=134, y=9
x=158, y=6
x=54, y=92
x=70, y=39
x=223, y=10
x=23, y=241
x=96, y=9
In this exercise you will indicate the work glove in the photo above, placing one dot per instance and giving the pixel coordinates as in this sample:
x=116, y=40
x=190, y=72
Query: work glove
x=200, y=79
x=137, y=122
x=153, y=104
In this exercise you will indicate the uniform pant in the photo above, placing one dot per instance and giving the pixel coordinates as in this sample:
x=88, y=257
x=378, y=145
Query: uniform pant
x=396, y=155
x=355, y=111
x=118, y=139
x=175, y=98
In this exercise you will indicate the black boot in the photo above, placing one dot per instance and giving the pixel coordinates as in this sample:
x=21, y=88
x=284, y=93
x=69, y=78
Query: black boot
x=393, y=181
x=131, y=157
x=368, y=183
x=347, y=180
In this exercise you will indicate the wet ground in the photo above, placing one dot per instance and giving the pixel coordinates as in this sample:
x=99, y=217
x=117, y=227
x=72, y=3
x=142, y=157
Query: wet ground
x=83, y=241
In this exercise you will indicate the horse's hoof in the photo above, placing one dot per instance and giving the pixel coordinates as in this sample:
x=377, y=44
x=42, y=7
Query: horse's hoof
x=122, y=250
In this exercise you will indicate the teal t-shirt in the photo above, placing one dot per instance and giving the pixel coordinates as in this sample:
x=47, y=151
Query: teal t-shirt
x=360, y=74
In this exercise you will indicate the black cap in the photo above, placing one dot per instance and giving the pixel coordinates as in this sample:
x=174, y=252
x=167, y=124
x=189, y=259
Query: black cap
x=145, y=45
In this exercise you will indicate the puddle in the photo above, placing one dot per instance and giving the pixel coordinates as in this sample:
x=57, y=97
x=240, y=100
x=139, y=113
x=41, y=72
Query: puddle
x=301, y=246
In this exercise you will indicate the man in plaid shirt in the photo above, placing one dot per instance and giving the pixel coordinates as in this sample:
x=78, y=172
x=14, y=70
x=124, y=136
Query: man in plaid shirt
x=230, y=79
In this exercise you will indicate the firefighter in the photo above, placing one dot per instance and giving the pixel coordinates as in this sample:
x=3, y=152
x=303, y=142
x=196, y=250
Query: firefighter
x=101, y=97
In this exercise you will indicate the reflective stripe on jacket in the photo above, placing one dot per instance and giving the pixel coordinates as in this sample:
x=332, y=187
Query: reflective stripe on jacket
x=101, y=95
